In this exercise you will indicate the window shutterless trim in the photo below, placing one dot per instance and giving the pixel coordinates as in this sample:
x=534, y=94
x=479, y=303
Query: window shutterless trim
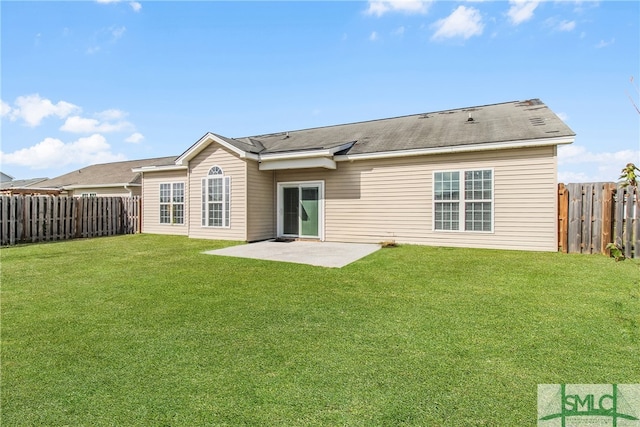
x=215, y=201
x=462, y=202
x=167, y=200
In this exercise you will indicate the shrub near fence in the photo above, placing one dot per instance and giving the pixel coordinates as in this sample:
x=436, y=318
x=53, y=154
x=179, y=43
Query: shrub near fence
x=30, y=219
x=592, y=215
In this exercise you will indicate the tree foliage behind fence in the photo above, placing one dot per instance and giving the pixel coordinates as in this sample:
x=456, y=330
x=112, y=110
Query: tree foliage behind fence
x=592, y=215
x=30, y=219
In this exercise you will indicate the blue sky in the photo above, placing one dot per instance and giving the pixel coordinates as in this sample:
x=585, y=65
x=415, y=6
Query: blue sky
x=92, y=82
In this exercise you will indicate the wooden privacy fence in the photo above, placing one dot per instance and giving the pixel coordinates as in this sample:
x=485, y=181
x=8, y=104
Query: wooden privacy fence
x=29, y=219
x=592, y=215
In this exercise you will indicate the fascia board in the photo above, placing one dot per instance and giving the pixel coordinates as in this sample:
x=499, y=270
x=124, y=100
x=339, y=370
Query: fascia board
x=457, y=149
x=306, y=163
x=158, y=168
x=295, y=155
x=76, y=186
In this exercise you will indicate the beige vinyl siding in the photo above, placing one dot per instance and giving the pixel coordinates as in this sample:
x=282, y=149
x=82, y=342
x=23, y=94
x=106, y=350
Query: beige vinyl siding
x=391, y=199
x=261, y=203
x=107, y=191
x=232, y=166
x=151, y=202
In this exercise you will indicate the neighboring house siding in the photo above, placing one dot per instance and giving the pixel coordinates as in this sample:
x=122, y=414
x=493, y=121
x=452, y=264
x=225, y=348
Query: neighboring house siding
x=106, y=191
x=391, y=199
x=261, y=203
x=151, y=202
x=232, y=166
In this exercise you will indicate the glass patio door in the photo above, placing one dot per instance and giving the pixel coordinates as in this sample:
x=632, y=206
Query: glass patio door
x=300, y=210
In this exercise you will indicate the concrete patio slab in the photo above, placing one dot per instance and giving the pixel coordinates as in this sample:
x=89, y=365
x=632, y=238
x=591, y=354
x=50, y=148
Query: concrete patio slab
x=323, y=254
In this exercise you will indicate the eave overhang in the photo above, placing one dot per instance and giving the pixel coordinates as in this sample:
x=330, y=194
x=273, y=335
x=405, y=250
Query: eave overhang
x=303, y=159
x=115, y=185
x=458, y=149
x=158, y=168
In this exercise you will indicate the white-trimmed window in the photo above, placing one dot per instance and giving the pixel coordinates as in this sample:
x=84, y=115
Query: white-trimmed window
x=216, y=199
x=172, y=203
x=463, y=200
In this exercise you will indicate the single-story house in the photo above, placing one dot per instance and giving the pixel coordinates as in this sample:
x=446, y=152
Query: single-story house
x=115, y=179
x=483, y=176
x=21, y=186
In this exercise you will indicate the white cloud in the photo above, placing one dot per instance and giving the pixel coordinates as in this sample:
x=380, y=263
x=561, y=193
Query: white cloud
x=5, y=109
x=106, y=37
x=136, y=6
x=566, y=26
x=379, y=8
x=52, y=152
x=563, y=25
x=77, y=124
x=603, y=167
x=373, y=36
x=32, y=109
x=604, y=43
x=563, y=116
x=521, y=10
x=117, y=32
x=112, y=114
x=135, y=138
x=463, y=22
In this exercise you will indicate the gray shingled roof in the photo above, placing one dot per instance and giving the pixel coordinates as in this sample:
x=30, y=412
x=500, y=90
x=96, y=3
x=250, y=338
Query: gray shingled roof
x=106, y=173
x=21, y=183
x=511, y=121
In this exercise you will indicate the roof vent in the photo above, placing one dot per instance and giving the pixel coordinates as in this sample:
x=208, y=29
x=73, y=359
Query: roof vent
x=470, y=119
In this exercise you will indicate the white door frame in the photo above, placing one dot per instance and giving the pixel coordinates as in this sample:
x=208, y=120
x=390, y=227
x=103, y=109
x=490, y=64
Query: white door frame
x=280, y=206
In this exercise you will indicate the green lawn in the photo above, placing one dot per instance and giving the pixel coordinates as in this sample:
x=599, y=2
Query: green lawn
x=146, y=330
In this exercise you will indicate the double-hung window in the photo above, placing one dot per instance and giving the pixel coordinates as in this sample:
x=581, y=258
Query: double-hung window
x=216, y=199
x=463, y=200
x=172, y=203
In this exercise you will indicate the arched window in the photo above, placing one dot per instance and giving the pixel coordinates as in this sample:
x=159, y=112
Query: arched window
x=216, y=199
x=216, y=171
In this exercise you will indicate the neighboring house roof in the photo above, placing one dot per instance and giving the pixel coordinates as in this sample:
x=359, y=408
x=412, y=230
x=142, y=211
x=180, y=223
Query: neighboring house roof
x=510, y=124
x=5, y=177
x=114, y=174
x=20, y=183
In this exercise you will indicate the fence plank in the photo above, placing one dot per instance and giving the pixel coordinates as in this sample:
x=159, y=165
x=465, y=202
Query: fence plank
x=635, y=226
x=575, y=218
x=12, y=220
x=597, y=218
x=563, y=217
x=627, y=240
x=4, y=213
x=587, y=217
x=608, y=193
